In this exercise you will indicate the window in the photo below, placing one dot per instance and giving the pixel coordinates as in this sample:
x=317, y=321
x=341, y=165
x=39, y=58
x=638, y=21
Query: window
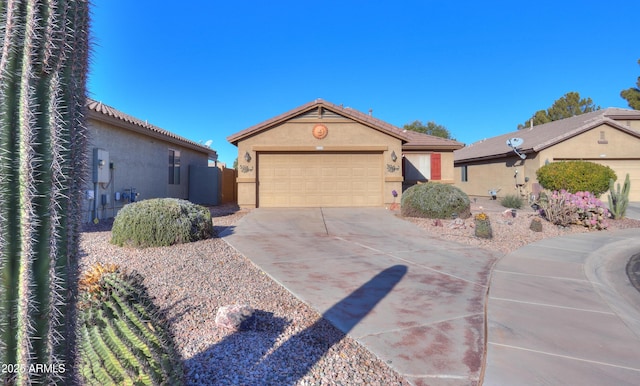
x=464, y=173
x=174, y=167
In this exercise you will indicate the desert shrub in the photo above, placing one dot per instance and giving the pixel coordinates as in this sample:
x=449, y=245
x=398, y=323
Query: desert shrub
x=161, y=222
x=582, y=208
x=512, y=201
x=435, y=200
x=576, y=176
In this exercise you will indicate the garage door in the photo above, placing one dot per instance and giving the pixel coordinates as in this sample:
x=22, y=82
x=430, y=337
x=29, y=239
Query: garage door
x=622, y=167
x=319, y=179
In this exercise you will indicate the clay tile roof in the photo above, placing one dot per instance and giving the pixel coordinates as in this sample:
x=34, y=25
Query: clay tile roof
x=540, y=137
x=100, y=111
x=414, y=140
x=421, y=141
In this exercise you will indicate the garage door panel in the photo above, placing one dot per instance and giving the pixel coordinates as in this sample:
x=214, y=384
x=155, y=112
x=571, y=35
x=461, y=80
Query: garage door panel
x=622, y=167
x=311, y=180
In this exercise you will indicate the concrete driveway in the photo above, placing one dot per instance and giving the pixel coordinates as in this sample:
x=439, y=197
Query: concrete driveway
x=415, y=301
x=633, y=210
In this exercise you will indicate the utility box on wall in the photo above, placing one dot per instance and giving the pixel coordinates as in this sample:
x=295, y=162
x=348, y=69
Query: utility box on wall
x=100, y=166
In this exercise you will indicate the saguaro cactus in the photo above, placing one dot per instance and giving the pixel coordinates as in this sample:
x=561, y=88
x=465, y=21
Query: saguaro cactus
x=43, y=65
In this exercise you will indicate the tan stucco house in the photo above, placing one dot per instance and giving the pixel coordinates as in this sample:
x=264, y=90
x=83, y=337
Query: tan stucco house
x=325, y=155
x=130, y=159
x=609, y=137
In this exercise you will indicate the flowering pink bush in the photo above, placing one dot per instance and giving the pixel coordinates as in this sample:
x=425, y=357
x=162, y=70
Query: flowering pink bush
x=580, y=208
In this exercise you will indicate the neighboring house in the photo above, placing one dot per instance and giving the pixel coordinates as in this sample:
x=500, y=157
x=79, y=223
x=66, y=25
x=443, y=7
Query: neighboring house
x=130, y=160
x=609, y=137
x=324, y=155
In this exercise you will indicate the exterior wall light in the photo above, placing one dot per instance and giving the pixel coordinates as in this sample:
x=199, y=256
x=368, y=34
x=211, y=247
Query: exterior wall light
x=394, y=157
x=247, y=156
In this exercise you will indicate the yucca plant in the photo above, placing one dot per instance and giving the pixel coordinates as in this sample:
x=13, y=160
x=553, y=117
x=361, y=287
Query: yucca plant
x=43, y=66
x=124, y=339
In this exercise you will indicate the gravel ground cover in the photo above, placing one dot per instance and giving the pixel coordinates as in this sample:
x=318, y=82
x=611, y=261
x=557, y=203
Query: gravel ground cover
x=290, y=342
x=509, y=233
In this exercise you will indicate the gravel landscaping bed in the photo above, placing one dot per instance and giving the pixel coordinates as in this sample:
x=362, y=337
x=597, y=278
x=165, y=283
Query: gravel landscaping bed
x=290, y=343
x=509, y=233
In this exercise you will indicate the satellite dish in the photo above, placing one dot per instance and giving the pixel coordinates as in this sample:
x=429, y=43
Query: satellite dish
x=208, y=143
x=515, y=142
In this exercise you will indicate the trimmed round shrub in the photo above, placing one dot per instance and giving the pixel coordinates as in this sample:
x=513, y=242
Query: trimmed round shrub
x=576, y=176
x=435, y=200
x=161, y=222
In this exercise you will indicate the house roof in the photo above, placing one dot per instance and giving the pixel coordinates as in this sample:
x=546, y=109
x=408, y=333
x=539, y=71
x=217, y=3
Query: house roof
x=410, y=139
x=543, y=136
x=419, y=141
x=104, y=113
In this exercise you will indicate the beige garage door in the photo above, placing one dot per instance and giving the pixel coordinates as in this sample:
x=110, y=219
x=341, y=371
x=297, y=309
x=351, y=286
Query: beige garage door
x=622, y=167
x=319, y=179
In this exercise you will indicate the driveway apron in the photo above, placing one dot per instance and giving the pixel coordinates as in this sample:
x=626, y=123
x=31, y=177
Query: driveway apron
x=429, y=324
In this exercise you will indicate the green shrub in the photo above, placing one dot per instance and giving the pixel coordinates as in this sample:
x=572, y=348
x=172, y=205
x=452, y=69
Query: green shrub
x=512, y=201
x=161, y=222
x=435, y=200
x=576, y=176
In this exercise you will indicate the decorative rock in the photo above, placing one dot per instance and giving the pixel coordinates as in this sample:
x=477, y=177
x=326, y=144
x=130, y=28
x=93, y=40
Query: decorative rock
x=457, y=224
x=536, y=225
x=236, y=317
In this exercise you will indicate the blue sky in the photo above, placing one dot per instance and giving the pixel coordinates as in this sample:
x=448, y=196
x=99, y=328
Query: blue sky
x=207, y=69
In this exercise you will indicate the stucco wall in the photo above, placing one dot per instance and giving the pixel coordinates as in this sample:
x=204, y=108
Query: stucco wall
x=630, y=123
x=616, y=144
x=498, y=175
x=296, y=135
x=139, y=162
x=448, y=173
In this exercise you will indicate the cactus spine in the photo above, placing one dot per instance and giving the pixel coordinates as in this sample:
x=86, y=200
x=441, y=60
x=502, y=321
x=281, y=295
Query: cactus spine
x=619, y=199
x=123, y=337
x=43, y=64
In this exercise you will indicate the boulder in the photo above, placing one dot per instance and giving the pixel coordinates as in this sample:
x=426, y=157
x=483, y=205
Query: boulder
x=458, y=224
x=236, y=317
